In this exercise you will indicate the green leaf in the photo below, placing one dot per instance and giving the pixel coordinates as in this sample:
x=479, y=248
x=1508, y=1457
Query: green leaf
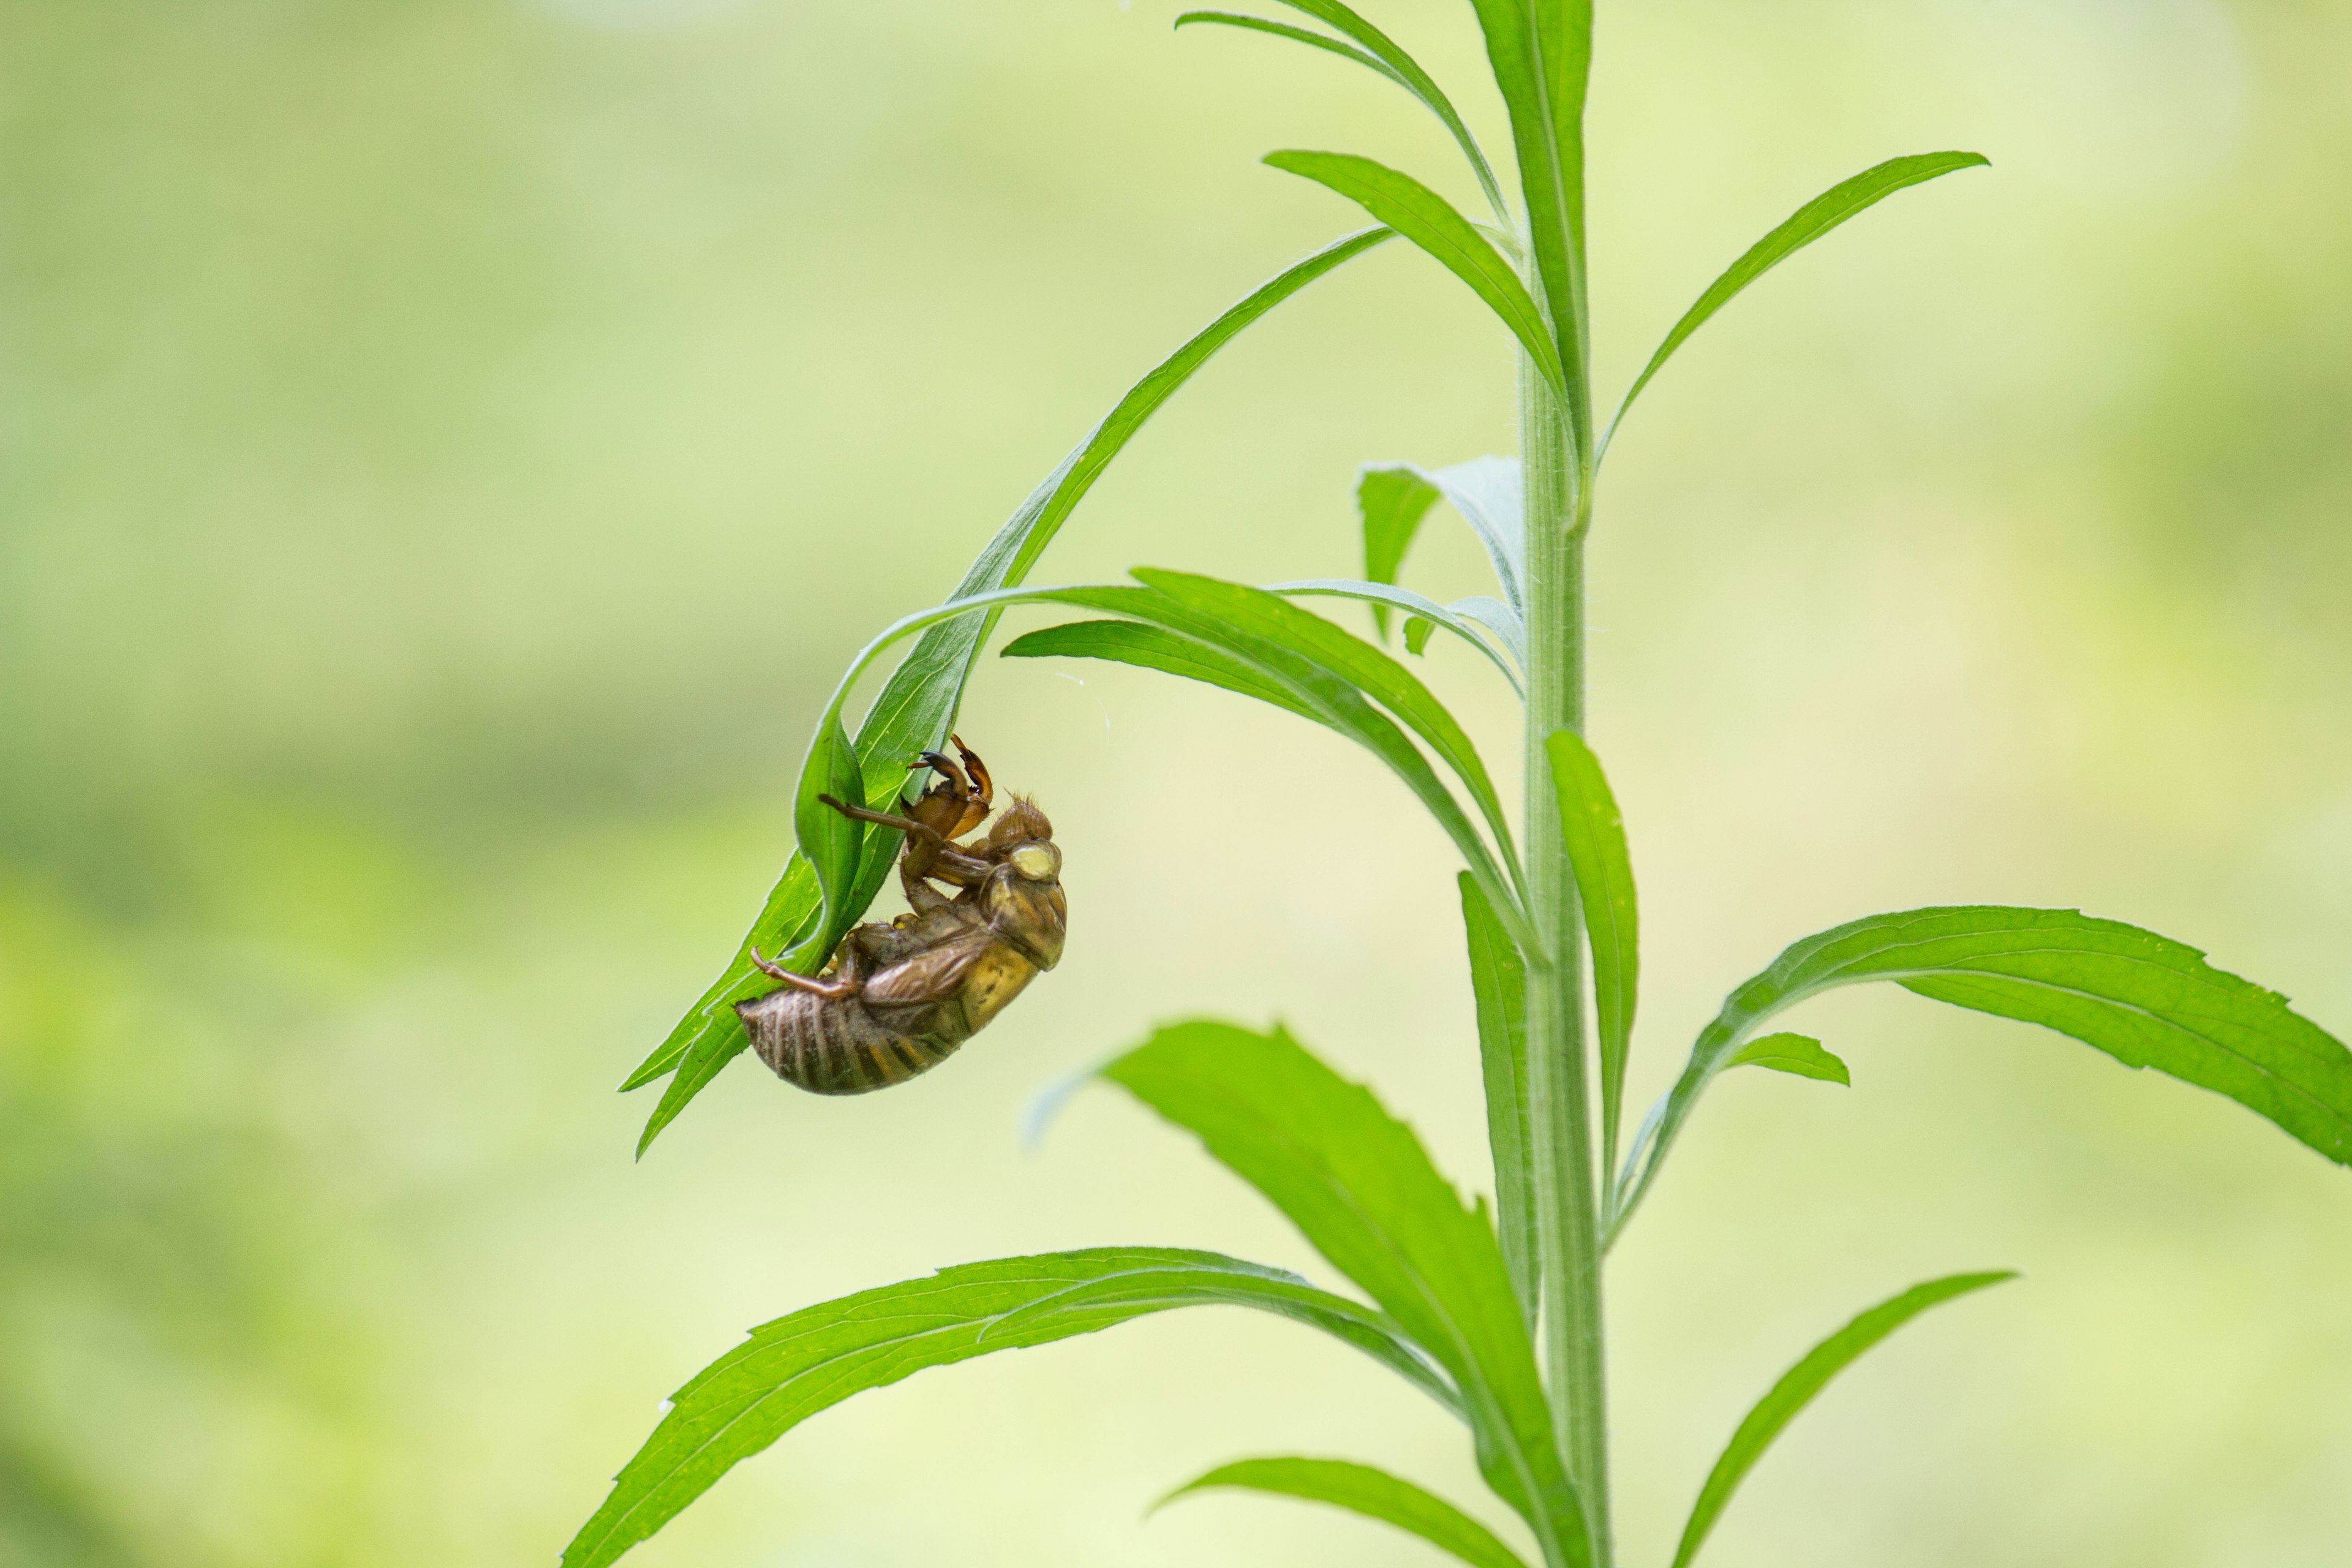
x=1357, y=1185
x=1238, y=608
x=1151, y=647
x=1803, y=227
x=1362, y=1490
x=1292, y=31
x=1798, y=1054
x=1595, y=838
x=2142, y=998
x=1457, y=617
x=1498, y=986
x=1427, y=219
x=916, y=706
x=1801, y=1383
x=1234, y=619
x=1392, y=501
x=830, y=840
x=1379, y=53
x=1541, y=52
x=1418, y=82
x=792, y=1368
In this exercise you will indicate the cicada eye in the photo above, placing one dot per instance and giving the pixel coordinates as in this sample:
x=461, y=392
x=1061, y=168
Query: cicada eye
x=1036, y=862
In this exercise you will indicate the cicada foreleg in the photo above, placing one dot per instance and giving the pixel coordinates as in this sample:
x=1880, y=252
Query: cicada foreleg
x=930, y=854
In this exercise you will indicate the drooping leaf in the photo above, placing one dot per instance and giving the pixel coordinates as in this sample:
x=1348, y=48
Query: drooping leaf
x=1457, y=617
x=1362, y=1490
x=916, y=706
x=789, y=1369
x=1376, y=51
x=1429, y=220
x=2142, y=998
x=1801, y=1383
x=1417, y=633
x=1595, y=838
x=1291, y=31
x=1541, y=53
x=1798, y=1054
x=1150, y=648
x=1498, y=986
x=1807, y=224
x=1357, y=1185
x=1253, y=612
x=1286, y=646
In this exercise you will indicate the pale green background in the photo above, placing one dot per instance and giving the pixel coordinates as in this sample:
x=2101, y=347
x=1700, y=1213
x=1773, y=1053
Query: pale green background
x=447, y=450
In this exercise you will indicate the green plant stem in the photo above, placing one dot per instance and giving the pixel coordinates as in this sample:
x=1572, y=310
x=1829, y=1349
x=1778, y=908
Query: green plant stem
x=1567, y=1229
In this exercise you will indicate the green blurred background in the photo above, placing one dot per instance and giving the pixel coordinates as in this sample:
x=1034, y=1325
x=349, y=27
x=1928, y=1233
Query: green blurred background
x=447, y=450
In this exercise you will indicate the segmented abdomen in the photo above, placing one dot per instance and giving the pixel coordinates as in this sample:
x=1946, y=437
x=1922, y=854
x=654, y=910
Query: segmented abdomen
x=839, y=1046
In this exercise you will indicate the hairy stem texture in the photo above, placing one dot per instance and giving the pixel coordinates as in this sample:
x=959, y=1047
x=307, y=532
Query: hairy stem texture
x=1568, y=1226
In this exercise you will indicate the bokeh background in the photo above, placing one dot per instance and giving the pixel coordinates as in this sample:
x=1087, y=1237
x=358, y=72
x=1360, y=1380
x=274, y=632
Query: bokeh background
x=447, y=450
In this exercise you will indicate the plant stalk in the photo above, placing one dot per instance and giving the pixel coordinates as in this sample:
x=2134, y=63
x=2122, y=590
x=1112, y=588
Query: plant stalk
x=1568, y=1232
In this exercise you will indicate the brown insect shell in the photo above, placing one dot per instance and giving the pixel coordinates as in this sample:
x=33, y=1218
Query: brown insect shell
x=1023, y=897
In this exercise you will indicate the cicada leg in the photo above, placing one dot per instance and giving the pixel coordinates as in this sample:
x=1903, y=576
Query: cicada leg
x=843, y=983
x=939, y=857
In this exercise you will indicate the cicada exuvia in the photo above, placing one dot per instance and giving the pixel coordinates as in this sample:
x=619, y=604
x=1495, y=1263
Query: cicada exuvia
x=899, y=996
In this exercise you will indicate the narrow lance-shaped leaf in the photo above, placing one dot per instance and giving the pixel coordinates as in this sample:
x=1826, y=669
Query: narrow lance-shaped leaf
x=1418, y=82
x=1291, y=31
x=1499, y=988
x=917, y=705
x=1803, y=227
x=1595, y=838
x=1392, y=501
x=1801, y=1383
x=1541, y=52
x=1328, y=676
x=1357, y=1185
x=1457, y=617
x=1254, y=612
x=1376, y=51
x=2144, y=999
x=1427, y=219
x=1287, y=647
x=830, y=840
x=1800, y=1055
x=1153, y=647
x=798, y=1365
x=1362, y=1490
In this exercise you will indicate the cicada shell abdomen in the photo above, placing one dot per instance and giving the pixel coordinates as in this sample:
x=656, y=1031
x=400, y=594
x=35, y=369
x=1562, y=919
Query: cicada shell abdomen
x=837, y=1046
